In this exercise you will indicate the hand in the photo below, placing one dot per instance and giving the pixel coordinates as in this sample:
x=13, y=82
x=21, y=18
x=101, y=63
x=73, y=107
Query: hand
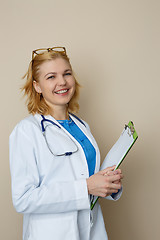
x=105, y=182
x=118, y=171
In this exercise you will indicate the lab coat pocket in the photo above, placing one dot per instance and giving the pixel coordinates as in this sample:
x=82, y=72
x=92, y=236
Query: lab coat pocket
x=54, y=226
x=58, y=142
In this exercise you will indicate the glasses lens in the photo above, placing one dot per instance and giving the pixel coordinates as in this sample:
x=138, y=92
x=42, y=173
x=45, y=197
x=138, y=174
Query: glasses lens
x=58, y=49
x=55, y=49
x=40, y=51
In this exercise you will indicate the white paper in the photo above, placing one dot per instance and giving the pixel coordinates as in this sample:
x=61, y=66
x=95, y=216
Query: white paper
x=119, y=149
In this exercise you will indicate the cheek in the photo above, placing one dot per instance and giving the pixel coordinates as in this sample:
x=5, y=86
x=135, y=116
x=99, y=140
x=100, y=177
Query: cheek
x=74, y=88
x=73, y=84
x=48, y=87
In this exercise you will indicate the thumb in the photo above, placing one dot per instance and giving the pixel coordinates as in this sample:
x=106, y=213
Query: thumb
x=104, y=171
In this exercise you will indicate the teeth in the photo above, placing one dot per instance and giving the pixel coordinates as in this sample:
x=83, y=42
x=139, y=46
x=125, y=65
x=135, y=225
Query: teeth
x=62, y=91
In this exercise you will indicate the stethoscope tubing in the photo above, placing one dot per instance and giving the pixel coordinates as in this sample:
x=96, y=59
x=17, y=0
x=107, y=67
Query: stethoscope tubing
x=47, y=120
x=43, y=132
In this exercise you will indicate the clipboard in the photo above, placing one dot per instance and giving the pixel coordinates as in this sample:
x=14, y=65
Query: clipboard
x=120, y=149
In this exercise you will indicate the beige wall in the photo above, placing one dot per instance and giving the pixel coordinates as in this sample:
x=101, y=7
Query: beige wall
x=114, y=47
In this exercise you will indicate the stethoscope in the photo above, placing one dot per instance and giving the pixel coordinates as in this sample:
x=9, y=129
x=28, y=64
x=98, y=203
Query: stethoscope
x=47, y=120
x=66, y=153
x=50, y=121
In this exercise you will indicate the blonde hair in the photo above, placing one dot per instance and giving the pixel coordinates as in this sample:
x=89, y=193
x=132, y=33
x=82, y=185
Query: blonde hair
x=35, y=101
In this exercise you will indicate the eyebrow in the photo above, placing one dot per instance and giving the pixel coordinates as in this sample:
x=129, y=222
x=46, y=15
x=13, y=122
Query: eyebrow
x=67, y=70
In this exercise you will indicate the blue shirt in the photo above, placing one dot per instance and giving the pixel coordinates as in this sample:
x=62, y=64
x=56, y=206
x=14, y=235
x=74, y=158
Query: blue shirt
x=88, y=148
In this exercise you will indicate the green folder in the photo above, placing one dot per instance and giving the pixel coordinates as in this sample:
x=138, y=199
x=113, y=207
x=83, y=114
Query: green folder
x=119, y=151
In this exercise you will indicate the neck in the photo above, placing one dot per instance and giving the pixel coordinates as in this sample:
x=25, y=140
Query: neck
x=60, y=113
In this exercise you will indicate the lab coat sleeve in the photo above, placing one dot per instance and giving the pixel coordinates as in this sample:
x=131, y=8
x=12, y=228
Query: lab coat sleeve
x=115, y=196
x=28, y=195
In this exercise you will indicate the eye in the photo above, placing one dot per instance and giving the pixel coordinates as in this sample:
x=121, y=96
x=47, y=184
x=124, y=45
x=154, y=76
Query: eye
x=68, y=74
x=51, y=77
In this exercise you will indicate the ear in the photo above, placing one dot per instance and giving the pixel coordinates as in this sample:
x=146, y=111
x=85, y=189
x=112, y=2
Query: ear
x=37, y=87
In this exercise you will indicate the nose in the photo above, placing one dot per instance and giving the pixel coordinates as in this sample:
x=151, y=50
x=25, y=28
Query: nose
x=61, y=80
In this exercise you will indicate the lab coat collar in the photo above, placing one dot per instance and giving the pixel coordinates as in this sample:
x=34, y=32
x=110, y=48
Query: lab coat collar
x=80, y=125
x=49, y=117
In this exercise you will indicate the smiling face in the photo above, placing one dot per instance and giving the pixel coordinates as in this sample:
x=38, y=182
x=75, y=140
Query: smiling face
x=56, y=83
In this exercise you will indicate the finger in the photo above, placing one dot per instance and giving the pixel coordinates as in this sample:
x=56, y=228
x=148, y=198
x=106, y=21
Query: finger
x=118, y=181
x=106, y=192
x=104, y=171
x=113, y=177
x=122, y=176
x=109, y=191
x=115, y=186
x=109, y=173
x=110, y=168
x=118, y=171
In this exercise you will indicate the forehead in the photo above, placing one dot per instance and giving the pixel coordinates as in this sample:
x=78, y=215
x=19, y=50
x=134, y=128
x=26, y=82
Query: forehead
x=56, y=65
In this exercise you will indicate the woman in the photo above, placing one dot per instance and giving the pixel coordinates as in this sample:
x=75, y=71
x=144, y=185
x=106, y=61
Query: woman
x=54, y=158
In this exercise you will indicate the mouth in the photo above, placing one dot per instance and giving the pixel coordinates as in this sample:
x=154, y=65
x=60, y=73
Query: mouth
x=62, y=91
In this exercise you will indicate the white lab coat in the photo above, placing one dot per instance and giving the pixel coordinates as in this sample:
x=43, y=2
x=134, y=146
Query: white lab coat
x=51, y=191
